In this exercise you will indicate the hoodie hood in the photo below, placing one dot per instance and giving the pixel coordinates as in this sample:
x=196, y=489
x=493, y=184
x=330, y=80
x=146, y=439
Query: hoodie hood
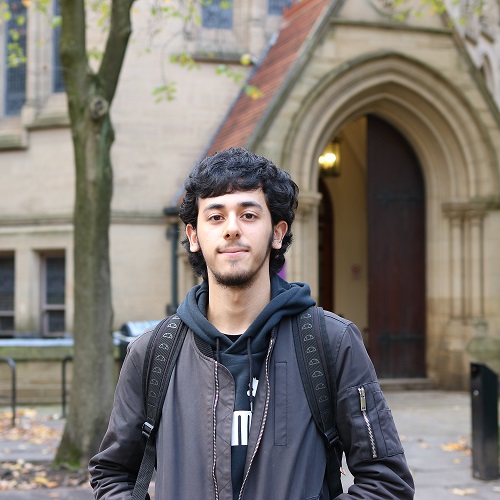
x=287, y=299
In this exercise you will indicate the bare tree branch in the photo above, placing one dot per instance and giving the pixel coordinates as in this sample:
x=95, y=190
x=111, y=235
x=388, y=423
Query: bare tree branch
x=116, y=46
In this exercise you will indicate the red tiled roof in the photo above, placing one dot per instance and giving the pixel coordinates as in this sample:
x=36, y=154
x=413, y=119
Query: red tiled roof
x=239, y=124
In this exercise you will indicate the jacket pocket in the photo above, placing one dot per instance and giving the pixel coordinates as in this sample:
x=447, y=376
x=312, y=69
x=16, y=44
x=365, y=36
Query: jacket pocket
x=373, y=426
x=387, y=426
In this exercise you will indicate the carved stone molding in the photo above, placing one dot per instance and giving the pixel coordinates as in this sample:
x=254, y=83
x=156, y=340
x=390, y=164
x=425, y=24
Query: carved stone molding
x=466, y=257
x=464, y=210
x=308, y=202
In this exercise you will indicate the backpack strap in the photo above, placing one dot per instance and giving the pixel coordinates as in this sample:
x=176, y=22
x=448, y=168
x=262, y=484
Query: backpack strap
x=316, y=367
x=161, y=355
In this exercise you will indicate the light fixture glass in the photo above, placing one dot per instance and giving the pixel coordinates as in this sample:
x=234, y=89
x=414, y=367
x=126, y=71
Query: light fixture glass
x=329, y=161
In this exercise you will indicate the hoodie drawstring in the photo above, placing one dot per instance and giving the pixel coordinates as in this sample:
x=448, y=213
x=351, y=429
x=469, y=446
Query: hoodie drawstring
x=214, y=416
x=250, y=370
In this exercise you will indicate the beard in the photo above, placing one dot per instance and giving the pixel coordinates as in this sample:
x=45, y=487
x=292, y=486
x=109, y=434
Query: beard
x=242, y=279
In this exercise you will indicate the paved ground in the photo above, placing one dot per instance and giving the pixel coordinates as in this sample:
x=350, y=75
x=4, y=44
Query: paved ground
x=434, y=427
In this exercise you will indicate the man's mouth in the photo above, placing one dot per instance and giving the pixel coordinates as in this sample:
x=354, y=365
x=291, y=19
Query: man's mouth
x=233, y=250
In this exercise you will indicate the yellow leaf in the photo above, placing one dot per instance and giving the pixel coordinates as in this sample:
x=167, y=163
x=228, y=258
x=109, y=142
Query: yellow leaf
x=246, y=59
x=460, y=446
x=463, y=493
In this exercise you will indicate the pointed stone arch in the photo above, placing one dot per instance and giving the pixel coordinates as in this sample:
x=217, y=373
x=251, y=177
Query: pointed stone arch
x=452, y=143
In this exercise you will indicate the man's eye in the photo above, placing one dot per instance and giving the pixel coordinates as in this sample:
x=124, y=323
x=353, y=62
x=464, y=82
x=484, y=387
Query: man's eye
x=249, y=216
x=216, y=217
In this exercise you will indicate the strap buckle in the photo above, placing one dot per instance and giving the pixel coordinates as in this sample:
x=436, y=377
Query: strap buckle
x=147, y=429
x=331, y=436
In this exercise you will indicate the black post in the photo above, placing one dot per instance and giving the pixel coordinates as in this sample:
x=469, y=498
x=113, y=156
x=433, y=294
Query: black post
x=173, y=236
x=64, y=391
x=484, y=406
x=13, y=395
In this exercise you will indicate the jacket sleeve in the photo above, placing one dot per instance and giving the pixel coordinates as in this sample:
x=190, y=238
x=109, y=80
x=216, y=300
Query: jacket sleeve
x=371, y=443
x=113, y=471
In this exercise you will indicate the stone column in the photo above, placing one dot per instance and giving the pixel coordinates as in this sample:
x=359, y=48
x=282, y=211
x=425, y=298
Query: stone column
x=457, y=267
x=466, y=291
x=475, y=218
x=302, y=263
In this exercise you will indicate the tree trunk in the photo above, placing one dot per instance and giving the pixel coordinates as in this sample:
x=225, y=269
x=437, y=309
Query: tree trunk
x=89, y=98
x=93, y=372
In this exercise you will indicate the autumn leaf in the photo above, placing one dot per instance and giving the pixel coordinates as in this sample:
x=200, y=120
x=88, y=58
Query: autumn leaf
x=459, y=446
x=463, y=493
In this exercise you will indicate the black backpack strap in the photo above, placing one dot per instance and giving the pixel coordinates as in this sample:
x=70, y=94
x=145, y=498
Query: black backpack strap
x=161, y=355
x=317, y=371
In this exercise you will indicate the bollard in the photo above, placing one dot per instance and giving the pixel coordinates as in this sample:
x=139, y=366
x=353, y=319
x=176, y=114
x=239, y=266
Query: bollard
x=64, y=391
x=484, y=406
x=13, y=394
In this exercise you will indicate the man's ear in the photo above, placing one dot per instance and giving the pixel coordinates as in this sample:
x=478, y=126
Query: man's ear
x=193, y=238
x=279, y=232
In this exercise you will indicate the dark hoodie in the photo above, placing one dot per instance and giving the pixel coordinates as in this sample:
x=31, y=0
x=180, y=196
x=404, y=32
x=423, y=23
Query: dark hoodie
x=245, y=356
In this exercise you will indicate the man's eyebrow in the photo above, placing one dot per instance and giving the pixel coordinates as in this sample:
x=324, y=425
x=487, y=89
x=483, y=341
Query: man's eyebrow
x=213, y=206
x=243, y=204
x=246, y=204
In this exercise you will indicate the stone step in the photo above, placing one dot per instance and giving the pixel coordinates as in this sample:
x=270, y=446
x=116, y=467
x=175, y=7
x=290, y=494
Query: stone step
x=406, y=384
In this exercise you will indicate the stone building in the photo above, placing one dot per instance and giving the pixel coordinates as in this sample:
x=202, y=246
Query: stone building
x=399, y=234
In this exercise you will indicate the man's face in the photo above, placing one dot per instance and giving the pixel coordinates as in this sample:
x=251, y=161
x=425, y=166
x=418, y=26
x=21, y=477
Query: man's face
x=235, y=234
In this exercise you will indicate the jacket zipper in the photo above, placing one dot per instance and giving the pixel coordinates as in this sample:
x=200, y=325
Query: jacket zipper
x=362, y=400
x=264, y=418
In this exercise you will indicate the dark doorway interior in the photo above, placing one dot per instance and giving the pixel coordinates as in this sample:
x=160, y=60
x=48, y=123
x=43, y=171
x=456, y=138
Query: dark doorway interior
x=326, y=259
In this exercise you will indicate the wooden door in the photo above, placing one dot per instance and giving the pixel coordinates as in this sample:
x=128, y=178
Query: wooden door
x=396, y=253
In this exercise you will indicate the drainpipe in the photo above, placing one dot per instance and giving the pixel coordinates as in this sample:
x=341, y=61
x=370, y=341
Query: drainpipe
x=172, y=234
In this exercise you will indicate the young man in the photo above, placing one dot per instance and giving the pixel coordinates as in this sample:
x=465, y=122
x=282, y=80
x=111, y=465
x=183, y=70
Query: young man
x=236, y=423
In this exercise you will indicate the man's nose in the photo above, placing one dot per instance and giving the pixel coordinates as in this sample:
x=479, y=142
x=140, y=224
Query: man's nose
x=232, y=228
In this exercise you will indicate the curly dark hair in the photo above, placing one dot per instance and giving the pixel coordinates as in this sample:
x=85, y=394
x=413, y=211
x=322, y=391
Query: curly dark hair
x=237, y=169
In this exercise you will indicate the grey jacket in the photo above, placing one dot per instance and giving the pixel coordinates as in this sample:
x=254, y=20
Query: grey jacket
x=286, y=455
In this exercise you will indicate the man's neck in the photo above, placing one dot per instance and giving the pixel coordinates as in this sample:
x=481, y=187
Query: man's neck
x=232, y=310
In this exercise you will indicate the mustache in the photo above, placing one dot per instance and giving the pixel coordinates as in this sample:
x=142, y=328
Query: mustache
x=233, y=247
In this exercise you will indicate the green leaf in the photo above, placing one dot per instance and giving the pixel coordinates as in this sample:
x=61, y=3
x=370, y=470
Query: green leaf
x=220, y=69
x=14, y=35
x=95, y=54
x=165, y=92
x=56, y=21
x=253, y=92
